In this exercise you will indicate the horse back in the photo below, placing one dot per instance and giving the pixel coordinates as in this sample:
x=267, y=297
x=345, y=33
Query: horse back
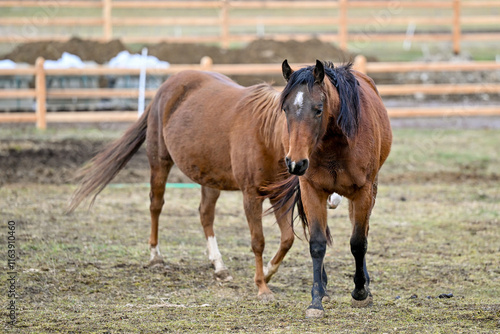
x=210, y=132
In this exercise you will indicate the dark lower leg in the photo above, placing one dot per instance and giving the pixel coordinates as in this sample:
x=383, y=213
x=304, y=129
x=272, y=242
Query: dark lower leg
x=317, y=248
x=359, y=246
x=366, y=272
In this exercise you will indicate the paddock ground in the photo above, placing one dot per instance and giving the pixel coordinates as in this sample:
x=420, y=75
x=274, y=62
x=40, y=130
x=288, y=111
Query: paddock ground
x=434, y=230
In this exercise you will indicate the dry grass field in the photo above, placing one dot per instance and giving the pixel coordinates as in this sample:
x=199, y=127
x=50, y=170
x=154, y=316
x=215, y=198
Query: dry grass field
x=434, y=230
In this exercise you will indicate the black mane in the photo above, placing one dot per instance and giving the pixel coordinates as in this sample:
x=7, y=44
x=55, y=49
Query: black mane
x=347, y=87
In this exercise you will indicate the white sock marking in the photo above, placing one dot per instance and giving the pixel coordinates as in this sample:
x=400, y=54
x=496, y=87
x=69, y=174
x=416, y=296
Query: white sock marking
x=155, y=252
x=270, y=269
x=214, y=255
x=334, y=200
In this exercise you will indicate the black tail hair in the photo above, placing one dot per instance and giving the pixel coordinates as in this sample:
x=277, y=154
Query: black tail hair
x=281, y=193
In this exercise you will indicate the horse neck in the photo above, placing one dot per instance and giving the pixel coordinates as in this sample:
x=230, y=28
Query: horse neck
x=332, y=100
x=266, y=107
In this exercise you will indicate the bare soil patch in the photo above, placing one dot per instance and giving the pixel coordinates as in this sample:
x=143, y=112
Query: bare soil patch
x=85, y=272
x=259, y=51
x=434, y=231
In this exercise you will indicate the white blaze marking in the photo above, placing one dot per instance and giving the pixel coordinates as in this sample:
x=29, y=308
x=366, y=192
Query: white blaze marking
x=299, y=101
x=214, y=254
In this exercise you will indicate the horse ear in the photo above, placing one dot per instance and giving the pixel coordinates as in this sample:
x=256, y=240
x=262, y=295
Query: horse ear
x=319, y=72
x=287, y=70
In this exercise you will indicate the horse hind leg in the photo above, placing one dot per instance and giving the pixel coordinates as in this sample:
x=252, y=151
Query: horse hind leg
x=159, y=174
x=209, y=198
x=253, y=211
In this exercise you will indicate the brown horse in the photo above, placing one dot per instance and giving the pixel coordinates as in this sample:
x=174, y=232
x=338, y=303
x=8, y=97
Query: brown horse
x=222, y=136
x=338, y=136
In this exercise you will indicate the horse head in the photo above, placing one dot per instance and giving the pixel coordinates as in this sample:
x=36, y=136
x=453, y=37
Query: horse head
x=310, y=103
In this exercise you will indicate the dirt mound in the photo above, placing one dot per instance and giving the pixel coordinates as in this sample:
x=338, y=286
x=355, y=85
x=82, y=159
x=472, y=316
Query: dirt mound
x=259, y=51
x=86, y=50
x=269, y=51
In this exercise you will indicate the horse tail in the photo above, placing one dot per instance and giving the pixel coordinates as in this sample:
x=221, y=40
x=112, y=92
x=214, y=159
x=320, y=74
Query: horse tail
x=100, y=170
x=280, y=193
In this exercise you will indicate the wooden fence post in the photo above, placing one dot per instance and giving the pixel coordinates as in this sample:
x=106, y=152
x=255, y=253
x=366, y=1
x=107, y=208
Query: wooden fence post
x=40, y=95
x=206, y=63
x=457, y=31
x=225, y=24
x=360, y=64
x=107, y=28
x=343, y=24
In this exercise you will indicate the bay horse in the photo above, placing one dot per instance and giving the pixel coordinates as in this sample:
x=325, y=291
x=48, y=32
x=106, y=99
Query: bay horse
x=227, y=137
x=222, y=136
x=337, y=138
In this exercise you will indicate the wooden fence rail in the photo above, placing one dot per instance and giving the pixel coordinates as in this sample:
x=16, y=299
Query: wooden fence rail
x=227, y=21
x=40, y=94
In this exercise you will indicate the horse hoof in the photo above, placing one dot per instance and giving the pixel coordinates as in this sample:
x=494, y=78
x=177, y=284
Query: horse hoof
x=314, y=313
x=362, y=303
x=223, y=275
x=154, y=262
x=326, y=299
x=266, y=297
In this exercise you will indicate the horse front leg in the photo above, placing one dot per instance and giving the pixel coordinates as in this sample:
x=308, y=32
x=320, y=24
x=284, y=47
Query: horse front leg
x=314, y=203
x=209, y=198
x=359, y=211
x=284, y=218
x=253, y=210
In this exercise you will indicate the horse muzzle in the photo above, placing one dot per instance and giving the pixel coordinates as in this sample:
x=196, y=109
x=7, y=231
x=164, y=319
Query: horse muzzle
x=297, y=167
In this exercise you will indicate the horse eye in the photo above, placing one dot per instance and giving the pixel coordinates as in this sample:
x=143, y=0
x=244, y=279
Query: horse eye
x=319, y=111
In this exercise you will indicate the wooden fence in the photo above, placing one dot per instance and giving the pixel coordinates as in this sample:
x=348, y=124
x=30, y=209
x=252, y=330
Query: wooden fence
x=227, y=21
x=40, y=94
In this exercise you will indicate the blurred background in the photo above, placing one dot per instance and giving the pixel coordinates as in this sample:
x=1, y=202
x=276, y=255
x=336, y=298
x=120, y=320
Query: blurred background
x=457, y=39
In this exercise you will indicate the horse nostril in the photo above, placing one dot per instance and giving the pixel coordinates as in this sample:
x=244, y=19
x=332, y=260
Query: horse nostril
x=302, y=166
x=297, y=168
x=290, y=165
